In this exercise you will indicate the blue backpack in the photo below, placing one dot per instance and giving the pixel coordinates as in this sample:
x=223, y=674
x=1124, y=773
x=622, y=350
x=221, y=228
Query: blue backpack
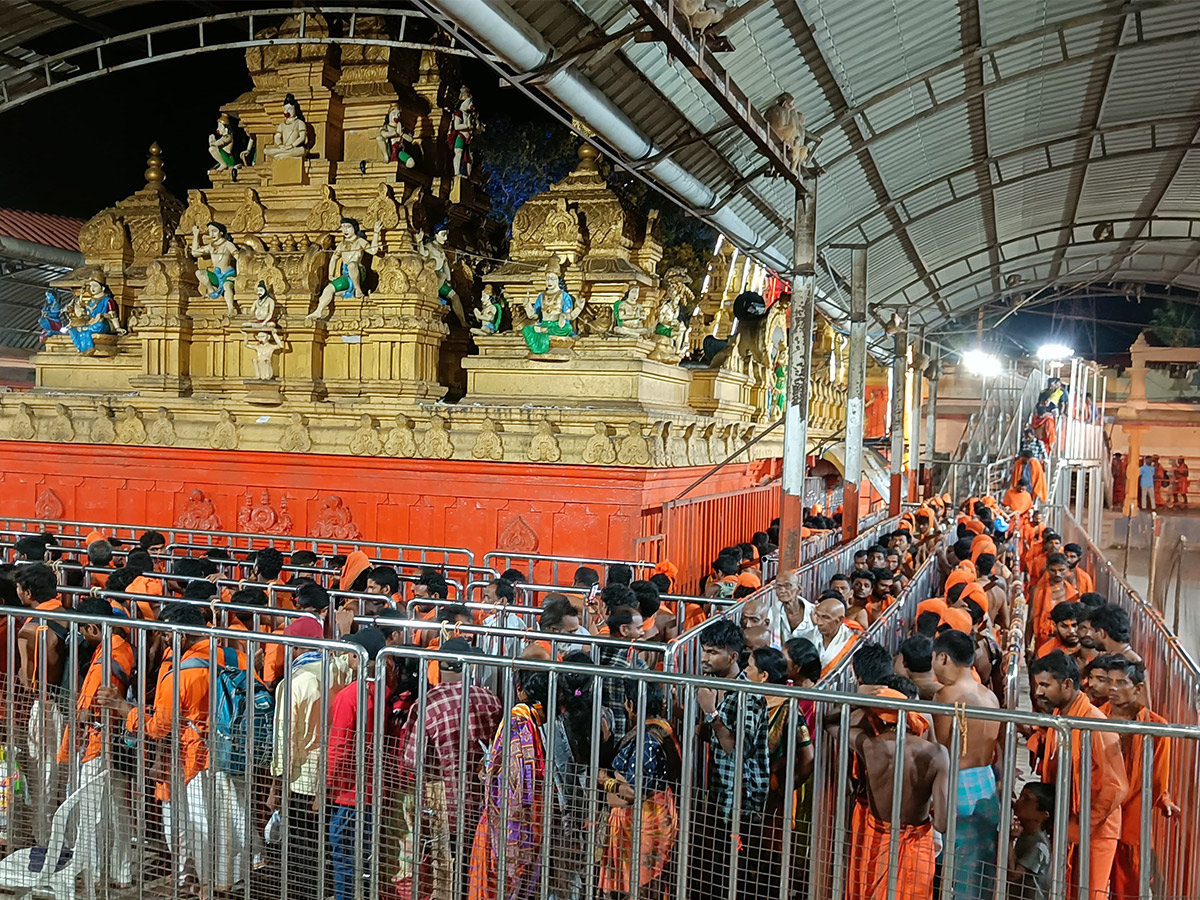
x=229, y=743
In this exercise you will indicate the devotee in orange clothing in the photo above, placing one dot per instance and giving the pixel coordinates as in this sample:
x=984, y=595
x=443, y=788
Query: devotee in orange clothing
x=1179, y=485
x=1125, y=704
x=1052, y=589
x=1076, y=574
x=923, y=805
x=1055, y=679
x=1030, y=471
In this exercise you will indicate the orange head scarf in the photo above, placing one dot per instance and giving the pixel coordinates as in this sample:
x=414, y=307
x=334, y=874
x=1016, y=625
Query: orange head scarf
x=958, y=575
x=982, y=543
x=668, y=568
x=958, y=619
x=974, y=591
x=879, y=718
x=356, y=564
x=750, y=580
x=933, y=604
x=94, y=536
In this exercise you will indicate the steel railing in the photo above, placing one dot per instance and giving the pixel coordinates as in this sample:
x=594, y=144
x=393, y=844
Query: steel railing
x=404, y=809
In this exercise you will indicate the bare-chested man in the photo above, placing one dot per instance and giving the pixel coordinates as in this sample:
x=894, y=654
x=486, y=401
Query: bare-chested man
x=923, y=803
x=995, y=589
x=915, y=662
x=978, y=823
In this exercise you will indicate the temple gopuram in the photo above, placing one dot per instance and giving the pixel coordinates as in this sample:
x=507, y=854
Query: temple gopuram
x=322, y=341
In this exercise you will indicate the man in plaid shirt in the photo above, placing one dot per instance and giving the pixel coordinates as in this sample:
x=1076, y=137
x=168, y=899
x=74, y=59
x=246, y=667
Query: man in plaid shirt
x=721, y=644
x=624, y=624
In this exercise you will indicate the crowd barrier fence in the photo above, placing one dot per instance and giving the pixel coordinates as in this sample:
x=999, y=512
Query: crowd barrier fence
x=403, y=811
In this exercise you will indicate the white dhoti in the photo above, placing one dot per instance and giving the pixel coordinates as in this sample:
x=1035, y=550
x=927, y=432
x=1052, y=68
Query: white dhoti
x=212, y=830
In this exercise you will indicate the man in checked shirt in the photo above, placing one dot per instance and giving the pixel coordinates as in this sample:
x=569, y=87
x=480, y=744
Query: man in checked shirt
x=721, y=645
x=444, y=774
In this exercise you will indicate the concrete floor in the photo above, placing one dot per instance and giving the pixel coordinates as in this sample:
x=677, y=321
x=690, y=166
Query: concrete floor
x=1137, y=573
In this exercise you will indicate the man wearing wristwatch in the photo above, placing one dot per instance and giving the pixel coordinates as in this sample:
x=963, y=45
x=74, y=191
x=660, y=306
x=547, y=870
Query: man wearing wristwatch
x=721, y=645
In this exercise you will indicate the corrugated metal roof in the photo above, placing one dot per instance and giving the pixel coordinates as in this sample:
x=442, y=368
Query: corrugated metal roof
x=41, y=228
x=21, y=296
x=951, y=133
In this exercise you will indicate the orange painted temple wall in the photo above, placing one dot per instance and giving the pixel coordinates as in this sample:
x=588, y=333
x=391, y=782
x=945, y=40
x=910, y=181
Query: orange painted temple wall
x=566, y=510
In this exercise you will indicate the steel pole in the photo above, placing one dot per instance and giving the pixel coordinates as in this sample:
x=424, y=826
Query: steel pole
x=856, y=389
x=795, y=429
x=899, y=351
x=931, y=414
x=914, y=423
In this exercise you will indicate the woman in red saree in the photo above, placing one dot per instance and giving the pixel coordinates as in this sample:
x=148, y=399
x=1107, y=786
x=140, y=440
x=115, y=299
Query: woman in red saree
x=520, y=825
x=661, y=769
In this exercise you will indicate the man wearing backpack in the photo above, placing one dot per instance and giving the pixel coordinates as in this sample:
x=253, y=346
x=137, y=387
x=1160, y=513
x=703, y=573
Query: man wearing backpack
x=197, y=836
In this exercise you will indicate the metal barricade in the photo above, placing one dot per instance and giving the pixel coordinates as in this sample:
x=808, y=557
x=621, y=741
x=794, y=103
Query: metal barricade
x=723, y=797
x=697, y=528
x=547, y=569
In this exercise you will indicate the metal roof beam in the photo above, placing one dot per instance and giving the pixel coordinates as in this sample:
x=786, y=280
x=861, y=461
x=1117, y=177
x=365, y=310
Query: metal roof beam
x=972, y=39
x=1193, y=235
x=1093, y=109
x=716, y=81
x=64, y=12
x=989, y=52
x=1093, y=56
x=1001, y=158
x=806, y=43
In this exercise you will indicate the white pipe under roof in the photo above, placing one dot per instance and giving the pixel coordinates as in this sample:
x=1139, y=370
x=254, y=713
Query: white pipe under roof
x=497, y=26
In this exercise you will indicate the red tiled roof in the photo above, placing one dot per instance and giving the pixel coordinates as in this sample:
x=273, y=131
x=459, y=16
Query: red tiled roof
x=41, y=228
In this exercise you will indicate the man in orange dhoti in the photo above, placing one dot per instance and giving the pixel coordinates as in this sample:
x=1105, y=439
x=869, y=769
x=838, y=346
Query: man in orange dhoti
x=1056, y=691
x=1179, y=485
x=1125, y=703
x=923, y=805
x=1031, y=472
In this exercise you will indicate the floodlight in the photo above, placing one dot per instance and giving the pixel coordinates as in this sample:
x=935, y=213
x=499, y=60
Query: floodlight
x=980, y=363
x=1055, y=351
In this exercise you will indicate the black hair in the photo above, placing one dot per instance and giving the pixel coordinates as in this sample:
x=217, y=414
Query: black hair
x=860, y=554
x=883, y=575
x=1093, y=600
x=1113, y=621
x=39, y=580
x=956, y=645
x=724, y=635
x=761, y=541
x=615, y=596
x=955, y=593
x=654, y=697
x=871, y=662
x=1057, y=665
x=742, y=591
x=312, y=596
x=386, y=578
x=962, y=548
x=187, y=567
x=976, y=611
x=928, y=622
x=905, y=686
x=662, y=581
x=1044, y=795
x=512, y=576
x=747, y=550
x=554, y=610
x=249, y=596
x=726, y=565
x=619, y=573
x=1056, y=559
x=184, y=614
x=140, y=561
x=647, y=597
x=152, y=539
x=830, y=594
x=304, y=559
x=622, y=615
x=917, y=653
x=504, y=590
x=94, y=606
x=984, y=563
x=269, y=562
x=1066, y=611
x=576, y=697
x=773, y=662
x=194, y=590
x=1105, y=661
x=1073, y=548
x=586, y=576
x=863, y=575
x=839, y=576
x=805, y=657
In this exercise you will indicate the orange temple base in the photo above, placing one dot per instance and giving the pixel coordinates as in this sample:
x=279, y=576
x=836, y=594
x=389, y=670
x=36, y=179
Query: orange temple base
x=564, y=510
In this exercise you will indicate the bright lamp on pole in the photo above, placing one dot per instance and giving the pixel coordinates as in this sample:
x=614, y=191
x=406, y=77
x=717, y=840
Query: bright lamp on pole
x=980, y=363
x=1055, y=351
